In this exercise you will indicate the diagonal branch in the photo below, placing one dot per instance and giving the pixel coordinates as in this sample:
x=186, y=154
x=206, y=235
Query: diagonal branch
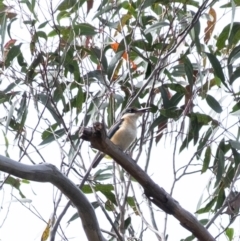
x=96, y=135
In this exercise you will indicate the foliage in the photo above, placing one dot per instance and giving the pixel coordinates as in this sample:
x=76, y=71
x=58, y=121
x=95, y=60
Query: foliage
x=78, y=61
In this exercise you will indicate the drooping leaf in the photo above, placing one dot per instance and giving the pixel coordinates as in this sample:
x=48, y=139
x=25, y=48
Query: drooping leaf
x=220, y=198
x=216, y=67
x=127, y=222
x=189, y=71
x=235, y=75
x=210, y=25
x=207, y=159
x=220, y=166
x=203, y=141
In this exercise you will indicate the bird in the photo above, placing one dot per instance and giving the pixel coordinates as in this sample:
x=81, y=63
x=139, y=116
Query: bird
x=123, y=132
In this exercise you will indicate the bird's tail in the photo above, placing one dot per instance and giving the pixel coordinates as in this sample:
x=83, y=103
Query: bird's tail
x=97, y=159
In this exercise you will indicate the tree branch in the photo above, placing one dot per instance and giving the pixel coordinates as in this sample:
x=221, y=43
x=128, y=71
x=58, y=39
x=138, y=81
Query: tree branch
x=96, y=135
x=49, y=173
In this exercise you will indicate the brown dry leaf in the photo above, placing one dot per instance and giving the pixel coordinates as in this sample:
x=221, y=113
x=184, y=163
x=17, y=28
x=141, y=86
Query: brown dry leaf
x=210, y=25
x=89, y=5
x=10, y=43
x=114, y=46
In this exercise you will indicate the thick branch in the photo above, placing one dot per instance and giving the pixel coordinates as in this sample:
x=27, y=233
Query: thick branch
x=49, y=173
x=96, y=135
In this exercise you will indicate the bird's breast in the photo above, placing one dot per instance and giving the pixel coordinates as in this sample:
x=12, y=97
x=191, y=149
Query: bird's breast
x=125, y=135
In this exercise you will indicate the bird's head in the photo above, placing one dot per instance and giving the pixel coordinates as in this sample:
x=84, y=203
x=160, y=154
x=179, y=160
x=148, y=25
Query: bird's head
x=135, y=112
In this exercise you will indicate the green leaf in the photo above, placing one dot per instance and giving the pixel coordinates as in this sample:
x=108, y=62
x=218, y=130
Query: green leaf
x=127, y=222
x=15, y=183
x=102, y=177
x=42, y=25
x=204, y=140
x=234, y=76
x=84, y=29
x=235, y=144
x=176, y=99
x=165, y=97
x=207, y=159
x=155, y=26
x=189, y=70
x=227, y=179
x=53, y=136
x=201, y=118
x=96, y=75
x=48, y=131
x=236, y=156
x=101, y=58
x=41, y=34
x=230, y=33
x=177, y=87
x=109, y=206
x=13, y=53
x=236, y=107
x=220, y=198
x=230, y=233
x=220, y=167
x=208, y=207
x=189, y=238
x=10, y=115
x=216, y=67
x=66, y=4
x=234, y=55
x=132, y=204
x=230, y=4
x=148, y=3
x=213, y=103
x=158, y=121
x=80, y=98
x=172, y=112
x=86, y=189
x=104, y=187
x=45, y=100
x=110, y=196
x=74, y=217
x=203, y=221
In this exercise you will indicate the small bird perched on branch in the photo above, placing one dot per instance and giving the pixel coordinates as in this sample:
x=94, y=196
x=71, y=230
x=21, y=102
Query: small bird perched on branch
x=123, y=132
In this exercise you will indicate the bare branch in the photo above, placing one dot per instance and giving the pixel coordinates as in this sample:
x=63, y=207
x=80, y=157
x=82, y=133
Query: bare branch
x=49, y=173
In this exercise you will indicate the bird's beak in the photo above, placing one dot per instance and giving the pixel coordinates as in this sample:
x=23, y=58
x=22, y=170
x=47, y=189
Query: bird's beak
x=143, y=110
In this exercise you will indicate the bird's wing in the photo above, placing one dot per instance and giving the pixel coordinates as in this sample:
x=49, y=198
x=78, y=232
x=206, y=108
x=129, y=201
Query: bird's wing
x=99, y=156
x=114, y=128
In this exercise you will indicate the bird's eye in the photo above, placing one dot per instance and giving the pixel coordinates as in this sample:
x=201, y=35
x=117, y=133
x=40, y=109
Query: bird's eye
x=130, y=110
